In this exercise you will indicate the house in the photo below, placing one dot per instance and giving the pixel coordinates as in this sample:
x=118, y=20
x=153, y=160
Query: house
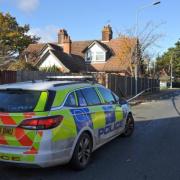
x=105, y=55
x=164, y=79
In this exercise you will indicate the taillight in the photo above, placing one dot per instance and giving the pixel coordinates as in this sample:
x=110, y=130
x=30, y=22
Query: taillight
x=41, y=123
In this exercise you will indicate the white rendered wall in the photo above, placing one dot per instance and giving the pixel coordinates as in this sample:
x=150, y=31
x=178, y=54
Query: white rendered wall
x=51, y=61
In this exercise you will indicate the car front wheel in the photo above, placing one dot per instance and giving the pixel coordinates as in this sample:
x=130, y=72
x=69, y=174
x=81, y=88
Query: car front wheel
x=129, y=127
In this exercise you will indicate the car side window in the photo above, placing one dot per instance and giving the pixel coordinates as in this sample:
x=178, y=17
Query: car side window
x=81, y=99
x=70, y=101
x=107, y=95
x=91, y=96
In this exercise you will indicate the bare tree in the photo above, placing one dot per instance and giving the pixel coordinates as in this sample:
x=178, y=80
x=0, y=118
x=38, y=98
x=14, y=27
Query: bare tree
x=137, y=45
x=149, y=36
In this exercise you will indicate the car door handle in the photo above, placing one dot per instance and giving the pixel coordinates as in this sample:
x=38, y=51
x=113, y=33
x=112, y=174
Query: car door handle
x=89, y=113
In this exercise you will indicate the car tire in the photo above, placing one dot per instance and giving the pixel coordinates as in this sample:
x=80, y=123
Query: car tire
x=82, y=152
x=129, y=126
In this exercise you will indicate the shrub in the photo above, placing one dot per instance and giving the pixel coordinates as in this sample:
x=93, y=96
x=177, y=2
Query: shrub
x=20, y=65
x=50, y=69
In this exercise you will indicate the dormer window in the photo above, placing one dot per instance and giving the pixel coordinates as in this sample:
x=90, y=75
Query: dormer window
x=95, y=53
x=95, y=56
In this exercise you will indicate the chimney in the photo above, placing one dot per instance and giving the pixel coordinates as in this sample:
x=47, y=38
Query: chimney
x=107, y=33
x=64, y=41
x=67, y=45
x=62, y=35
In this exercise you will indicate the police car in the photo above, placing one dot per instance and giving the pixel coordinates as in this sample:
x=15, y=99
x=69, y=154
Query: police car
x=59, y=120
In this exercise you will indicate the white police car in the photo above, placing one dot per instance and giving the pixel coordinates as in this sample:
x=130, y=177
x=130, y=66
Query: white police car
x=60, y=120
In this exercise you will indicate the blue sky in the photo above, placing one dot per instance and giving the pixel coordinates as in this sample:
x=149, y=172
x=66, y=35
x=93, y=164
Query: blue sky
x=84, y=19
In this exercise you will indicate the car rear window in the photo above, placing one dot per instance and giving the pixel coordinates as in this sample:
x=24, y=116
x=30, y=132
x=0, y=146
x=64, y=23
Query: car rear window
x=18, y=100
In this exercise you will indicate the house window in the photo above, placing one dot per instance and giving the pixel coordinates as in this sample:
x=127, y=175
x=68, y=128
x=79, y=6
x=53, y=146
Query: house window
x=100, y=56
x=89, y=56
x=95, y=55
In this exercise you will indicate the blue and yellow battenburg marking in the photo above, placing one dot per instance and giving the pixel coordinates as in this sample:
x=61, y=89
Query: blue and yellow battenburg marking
x=111, y=123
x=109, y=114
x=82, y=118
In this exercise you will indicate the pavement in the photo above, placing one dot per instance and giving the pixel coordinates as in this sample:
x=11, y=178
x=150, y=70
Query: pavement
x=151, y=153
x=148, y=97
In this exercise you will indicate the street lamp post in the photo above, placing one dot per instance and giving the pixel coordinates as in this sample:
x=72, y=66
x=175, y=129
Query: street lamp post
x=137, y=37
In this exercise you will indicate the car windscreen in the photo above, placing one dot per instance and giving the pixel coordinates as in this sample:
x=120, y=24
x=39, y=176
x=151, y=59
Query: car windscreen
x=18, y=100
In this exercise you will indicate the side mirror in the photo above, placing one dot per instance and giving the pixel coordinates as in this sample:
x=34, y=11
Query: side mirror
x=122, y=101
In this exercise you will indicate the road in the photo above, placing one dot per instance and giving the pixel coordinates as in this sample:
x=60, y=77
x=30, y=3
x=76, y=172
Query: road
x=152, y=153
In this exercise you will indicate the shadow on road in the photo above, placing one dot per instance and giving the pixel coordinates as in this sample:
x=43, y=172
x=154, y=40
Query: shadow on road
x=174, y=105
x=153, y=152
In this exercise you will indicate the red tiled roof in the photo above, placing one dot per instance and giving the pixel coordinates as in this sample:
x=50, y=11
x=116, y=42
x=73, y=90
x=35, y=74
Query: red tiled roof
x=35, y=47
x=71, y=62
x=113, y=64
x=77, y=47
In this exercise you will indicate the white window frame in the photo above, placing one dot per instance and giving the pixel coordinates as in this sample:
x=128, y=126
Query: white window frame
x=93, y=57
x=98, y=53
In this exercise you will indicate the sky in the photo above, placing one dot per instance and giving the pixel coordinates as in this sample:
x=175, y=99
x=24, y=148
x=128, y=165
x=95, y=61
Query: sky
x=84, y=20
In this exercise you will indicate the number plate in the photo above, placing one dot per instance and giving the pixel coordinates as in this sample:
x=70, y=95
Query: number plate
x=6, y=131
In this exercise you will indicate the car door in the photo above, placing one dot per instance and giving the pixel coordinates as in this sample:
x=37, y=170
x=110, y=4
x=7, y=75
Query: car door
x=81, y=113
x=96, y=113
x=113, y=112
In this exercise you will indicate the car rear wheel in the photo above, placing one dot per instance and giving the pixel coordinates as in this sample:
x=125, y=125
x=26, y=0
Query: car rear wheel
x=82, y=152
x=129, y=127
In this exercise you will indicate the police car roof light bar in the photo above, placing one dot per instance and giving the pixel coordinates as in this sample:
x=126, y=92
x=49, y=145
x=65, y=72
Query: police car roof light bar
x=71, y=78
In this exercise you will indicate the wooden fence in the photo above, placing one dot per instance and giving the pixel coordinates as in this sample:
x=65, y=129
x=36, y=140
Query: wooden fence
x=126, y=85
x=114, y=82
x=7, y=77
